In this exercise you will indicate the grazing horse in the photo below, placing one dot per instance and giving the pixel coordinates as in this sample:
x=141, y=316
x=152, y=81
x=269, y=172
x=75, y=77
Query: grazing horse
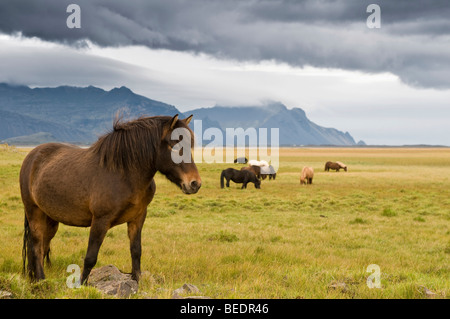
x=255, y=169
x=268, y=171
x=332, y=165
x=241, y=160
x=108, y=184
x=342, y=165
x=244, y=176
x=307, y=175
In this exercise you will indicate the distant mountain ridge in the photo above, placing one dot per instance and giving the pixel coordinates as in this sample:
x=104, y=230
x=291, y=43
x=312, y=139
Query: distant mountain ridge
x=81, y=114
x=69, y=114
x=294, y=127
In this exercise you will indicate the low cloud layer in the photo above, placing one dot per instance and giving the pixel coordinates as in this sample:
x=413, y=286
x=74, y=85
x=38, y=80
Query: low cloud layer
x=413, y=41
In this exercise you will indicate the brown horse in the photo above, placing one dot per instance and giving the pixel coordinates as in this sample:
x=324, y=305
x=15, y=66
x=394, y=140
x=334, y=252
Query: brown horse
x=255, y=169
x=108, y=184
x=307, y=175
x=342, y=165
x=335, y=166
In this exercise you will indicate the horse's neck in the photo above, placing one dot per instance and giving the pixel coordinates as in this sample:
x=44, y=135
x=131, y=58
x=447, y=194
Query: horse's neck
x=139, y=180
x=145, y=178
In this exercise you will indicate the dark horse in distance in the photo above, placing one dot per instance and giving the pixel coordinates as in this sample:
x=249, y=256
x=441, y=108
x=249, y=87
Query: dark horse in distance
x=336, y=166
x=244, y=177
x=241, y=160
x=108, y=184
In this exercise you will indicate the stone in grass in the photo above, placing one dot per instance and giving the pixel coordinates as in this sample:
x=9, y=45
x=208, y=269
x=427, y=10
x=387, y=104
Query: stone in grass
x=427, y=292
x=185, y=290
x=111, y=281
x=5, y=294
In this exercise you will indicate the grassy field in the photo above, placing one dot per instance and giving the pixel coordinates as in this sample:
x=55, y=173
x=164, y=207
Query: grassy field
x=392, y=209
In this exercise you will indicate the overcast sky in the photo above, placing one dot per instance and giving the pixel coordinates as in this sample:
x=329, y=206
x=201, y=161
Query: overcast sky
x=385, y=86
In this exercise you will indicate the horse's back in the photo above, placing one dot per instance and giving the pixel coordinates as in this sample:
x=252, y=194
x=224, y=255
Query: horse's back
x=46, y=155
x=47, y=151
x=307, y=172
x=38, y=157
x=235, y=175
x=258, y=163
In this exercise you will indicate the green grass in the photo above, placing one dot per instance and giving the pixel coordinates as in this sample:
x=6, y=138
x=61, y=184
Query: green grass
x=286, y=240
x=388, y=212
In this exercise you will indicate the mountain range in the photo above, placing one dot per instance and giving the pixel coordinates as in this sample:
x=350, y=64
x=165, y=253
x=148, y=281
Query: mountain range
x=30, y=116
x=294, y=127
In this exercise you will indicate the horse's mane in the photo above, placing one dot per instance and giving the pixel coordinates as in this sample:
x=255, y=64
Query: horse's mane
x=131, y=145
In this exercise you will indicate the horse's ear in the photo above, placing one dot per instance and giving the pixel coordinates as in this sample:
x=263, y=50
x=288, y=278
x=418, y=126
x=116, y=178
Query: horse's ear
x=188, y=119
x=173, y=121
x=170, y=124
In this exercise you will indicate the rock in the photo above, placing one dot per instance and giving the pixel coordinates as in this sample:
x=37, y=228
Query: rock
x=427, y=292
x=191, y=289
x=111, y=281
x=186, y=289
x=5, y=294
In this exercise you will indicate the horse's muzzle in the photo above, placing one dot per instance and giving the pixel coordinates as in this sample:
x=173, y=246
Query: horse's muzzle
x=192, y=187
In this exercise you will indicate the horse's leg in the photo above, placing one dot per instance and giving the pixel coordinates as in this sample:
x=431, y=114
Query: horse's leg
x=49, y=233
x=134, y=234
x=228, y=182
x=99, y=227
x=35, y=242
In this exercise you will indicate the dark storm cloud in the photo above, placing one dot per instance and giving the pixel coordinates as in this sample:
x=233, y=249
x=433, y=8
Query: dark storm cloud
x=412, y=42
x=57, y=65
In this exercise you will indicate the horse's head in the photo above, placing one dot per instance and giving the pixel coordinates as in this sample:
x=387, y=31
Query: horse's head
x=257, y=182
x=175, y=159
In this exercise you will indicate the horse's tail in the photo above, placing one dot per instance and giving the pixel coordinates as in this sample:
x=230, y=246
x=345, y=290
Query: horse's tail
x=26, y=239
x=222, y=177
